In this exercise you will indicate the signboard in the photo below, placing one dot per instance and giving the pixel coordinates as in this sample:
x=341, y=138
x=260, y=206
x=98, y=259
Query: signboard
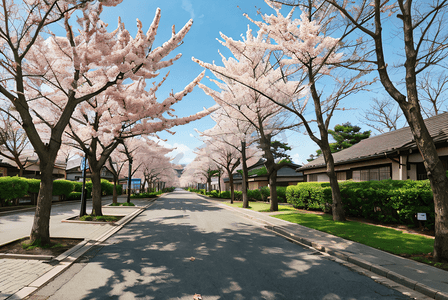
x=86, y=163
x=421, y=216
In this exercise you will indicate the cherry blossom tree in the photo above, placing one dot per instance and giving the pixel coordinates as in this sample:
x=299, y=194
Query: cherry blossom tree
x=252, y=65
x=45, y=83
x=226, y=143
x=304, y=50
x=128, y=109
x=422, y=47
x=46, y=77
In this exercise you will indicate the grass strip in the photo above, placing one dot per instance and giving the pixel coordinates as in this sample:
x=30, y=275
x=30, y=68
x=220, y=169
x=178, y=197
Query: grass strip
x=260, y=206
x=122, y=204
x=386, y=239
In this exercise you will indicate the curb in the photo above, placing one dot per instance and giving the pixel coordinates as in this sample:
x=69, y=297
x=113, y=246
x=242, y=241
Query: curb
x=378, y=270
x=66, y=259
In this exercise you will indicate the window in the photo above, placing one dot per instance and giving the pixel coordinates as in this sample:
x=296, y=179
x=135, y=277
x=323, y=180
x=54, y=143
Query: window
x=356, y=175
x=312, y=177
x=341, y=175
x=372, y=174
x=384, y=173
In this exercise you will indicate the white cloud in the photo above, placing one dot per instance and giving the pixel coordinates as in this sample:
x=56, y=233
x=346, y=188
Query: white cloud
x=188, y=7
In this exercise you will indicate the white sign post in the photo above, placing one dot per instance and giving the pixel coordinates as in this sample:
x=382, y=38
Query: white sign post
x=421, y=216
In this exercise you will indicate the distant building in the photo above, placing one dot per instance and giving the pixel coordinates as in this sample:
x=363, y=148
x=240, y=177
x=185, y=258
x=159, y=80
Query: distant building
x=74, y=172
x=31, y=167
x=287, y=175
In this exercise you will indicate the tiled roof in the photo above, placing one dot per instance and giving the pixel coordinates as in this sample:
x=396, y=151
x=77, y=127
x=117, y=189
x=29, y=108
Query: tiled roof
x=386, y=143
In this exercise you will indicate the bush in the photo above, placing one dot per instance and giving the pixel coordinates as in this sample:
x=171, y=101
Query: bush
x=62, y=188
x=13, y=187
x=33, y=186
x=265, y=193
x=145, y=195
x=74, y=196
x=107, y=188
x=214, y=194
x=385, y=201
x=254, y=195
x=309, y=195
x=225, y=195
x=281, y=194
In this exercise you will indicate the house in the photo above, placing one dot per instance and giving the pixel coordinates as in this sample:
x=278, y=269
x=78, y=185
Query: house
x=258, y=178
x=31, y=167
x=74, y=172
x=392, y=155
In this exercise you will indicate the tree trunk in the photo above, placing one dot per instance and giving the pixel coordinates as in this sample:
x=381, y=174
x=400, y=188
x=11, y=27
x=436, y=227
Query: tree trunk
x=265, y=144
x=337, y=208
x=245, y=175
x=219, y=183
x=437, y=178
x=232, y=188
x=96, y=192
x=273, y=190
x=41, y=224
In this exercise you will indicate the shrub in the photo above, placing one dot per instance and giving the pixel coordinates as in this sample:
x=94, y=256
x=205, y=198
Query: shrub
x=385, y=201
x=146, y=195
x=13, y=187
x=74, y=196
x=62, y=188
x=33, y=186
x=254, y=195
x=214, y=194
x=225, y=195
x=107, y=188
x=309, y=195
x=265, y=193
x=281, y=194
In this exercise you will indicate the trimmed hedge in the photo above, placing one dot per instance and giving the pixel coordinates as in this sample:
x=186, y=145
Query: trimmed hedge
x=17, y=187
x=13, y=187
x=389, y=201
x=62, y=187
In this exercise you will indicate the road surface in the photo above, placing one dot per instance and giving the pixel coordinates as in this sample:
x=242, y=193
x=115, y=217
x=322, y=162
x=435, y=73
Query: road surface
x=184, y=245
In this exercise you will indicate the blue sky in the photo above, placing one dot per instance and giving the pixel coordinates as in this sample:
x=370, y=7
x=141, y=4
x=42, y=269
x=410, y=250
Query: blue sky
x=210, y=17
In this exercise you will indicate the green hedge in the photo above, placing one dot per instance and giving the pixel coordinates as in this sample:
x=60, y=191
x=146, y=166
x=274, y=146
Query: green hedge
x=17, y=187
x=389, y=201
x=62, y=187
x=13, y=187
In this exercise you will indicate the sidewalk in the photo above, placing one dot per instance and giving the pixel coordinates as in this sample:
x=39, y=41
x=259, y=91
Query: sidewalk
x=430, y=281
x=20, y=277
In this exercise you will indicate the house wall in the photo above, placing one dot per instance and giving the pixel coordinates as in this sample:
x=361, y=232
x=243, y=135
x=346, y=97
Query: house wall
x=3, y=172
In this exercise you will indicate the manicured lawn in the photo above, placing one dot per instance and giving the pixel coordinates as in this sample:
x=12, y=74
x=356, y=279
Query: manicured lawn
x=260, y=206
x=390, y=240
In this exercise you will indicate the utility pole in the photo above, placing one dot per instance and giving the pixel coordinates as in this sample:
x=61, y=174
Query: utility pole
x=82, y=211
x=129, y=180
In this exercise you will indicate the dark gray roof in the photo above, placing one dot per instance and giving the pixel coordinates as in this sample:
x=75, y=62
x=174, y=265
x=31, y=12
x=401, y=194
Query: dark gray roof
x=386, y=143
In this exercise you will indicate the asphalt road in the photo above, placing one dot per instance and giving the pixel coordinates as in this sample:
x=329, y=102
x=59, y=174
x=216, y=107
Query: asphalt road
x=184, y=245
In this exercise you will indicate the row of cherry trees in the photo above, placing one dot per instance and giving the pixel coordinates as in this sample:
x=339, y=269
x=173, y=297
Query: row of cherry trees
x=87, y=88
x=306, y=66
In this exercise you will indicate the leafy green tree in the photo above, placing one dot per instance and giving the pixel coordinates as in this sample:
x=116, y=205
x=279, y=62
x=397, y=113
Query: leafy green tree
x=345, y=135
x=279, y=150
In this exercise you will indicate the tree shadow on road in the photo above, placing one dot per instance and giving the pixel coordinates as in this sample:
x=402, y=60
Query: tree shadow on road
x=176, y=250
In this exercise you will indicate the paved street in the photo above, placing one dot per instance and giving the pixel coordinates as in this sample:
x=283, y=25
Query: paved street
x=184, y=245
